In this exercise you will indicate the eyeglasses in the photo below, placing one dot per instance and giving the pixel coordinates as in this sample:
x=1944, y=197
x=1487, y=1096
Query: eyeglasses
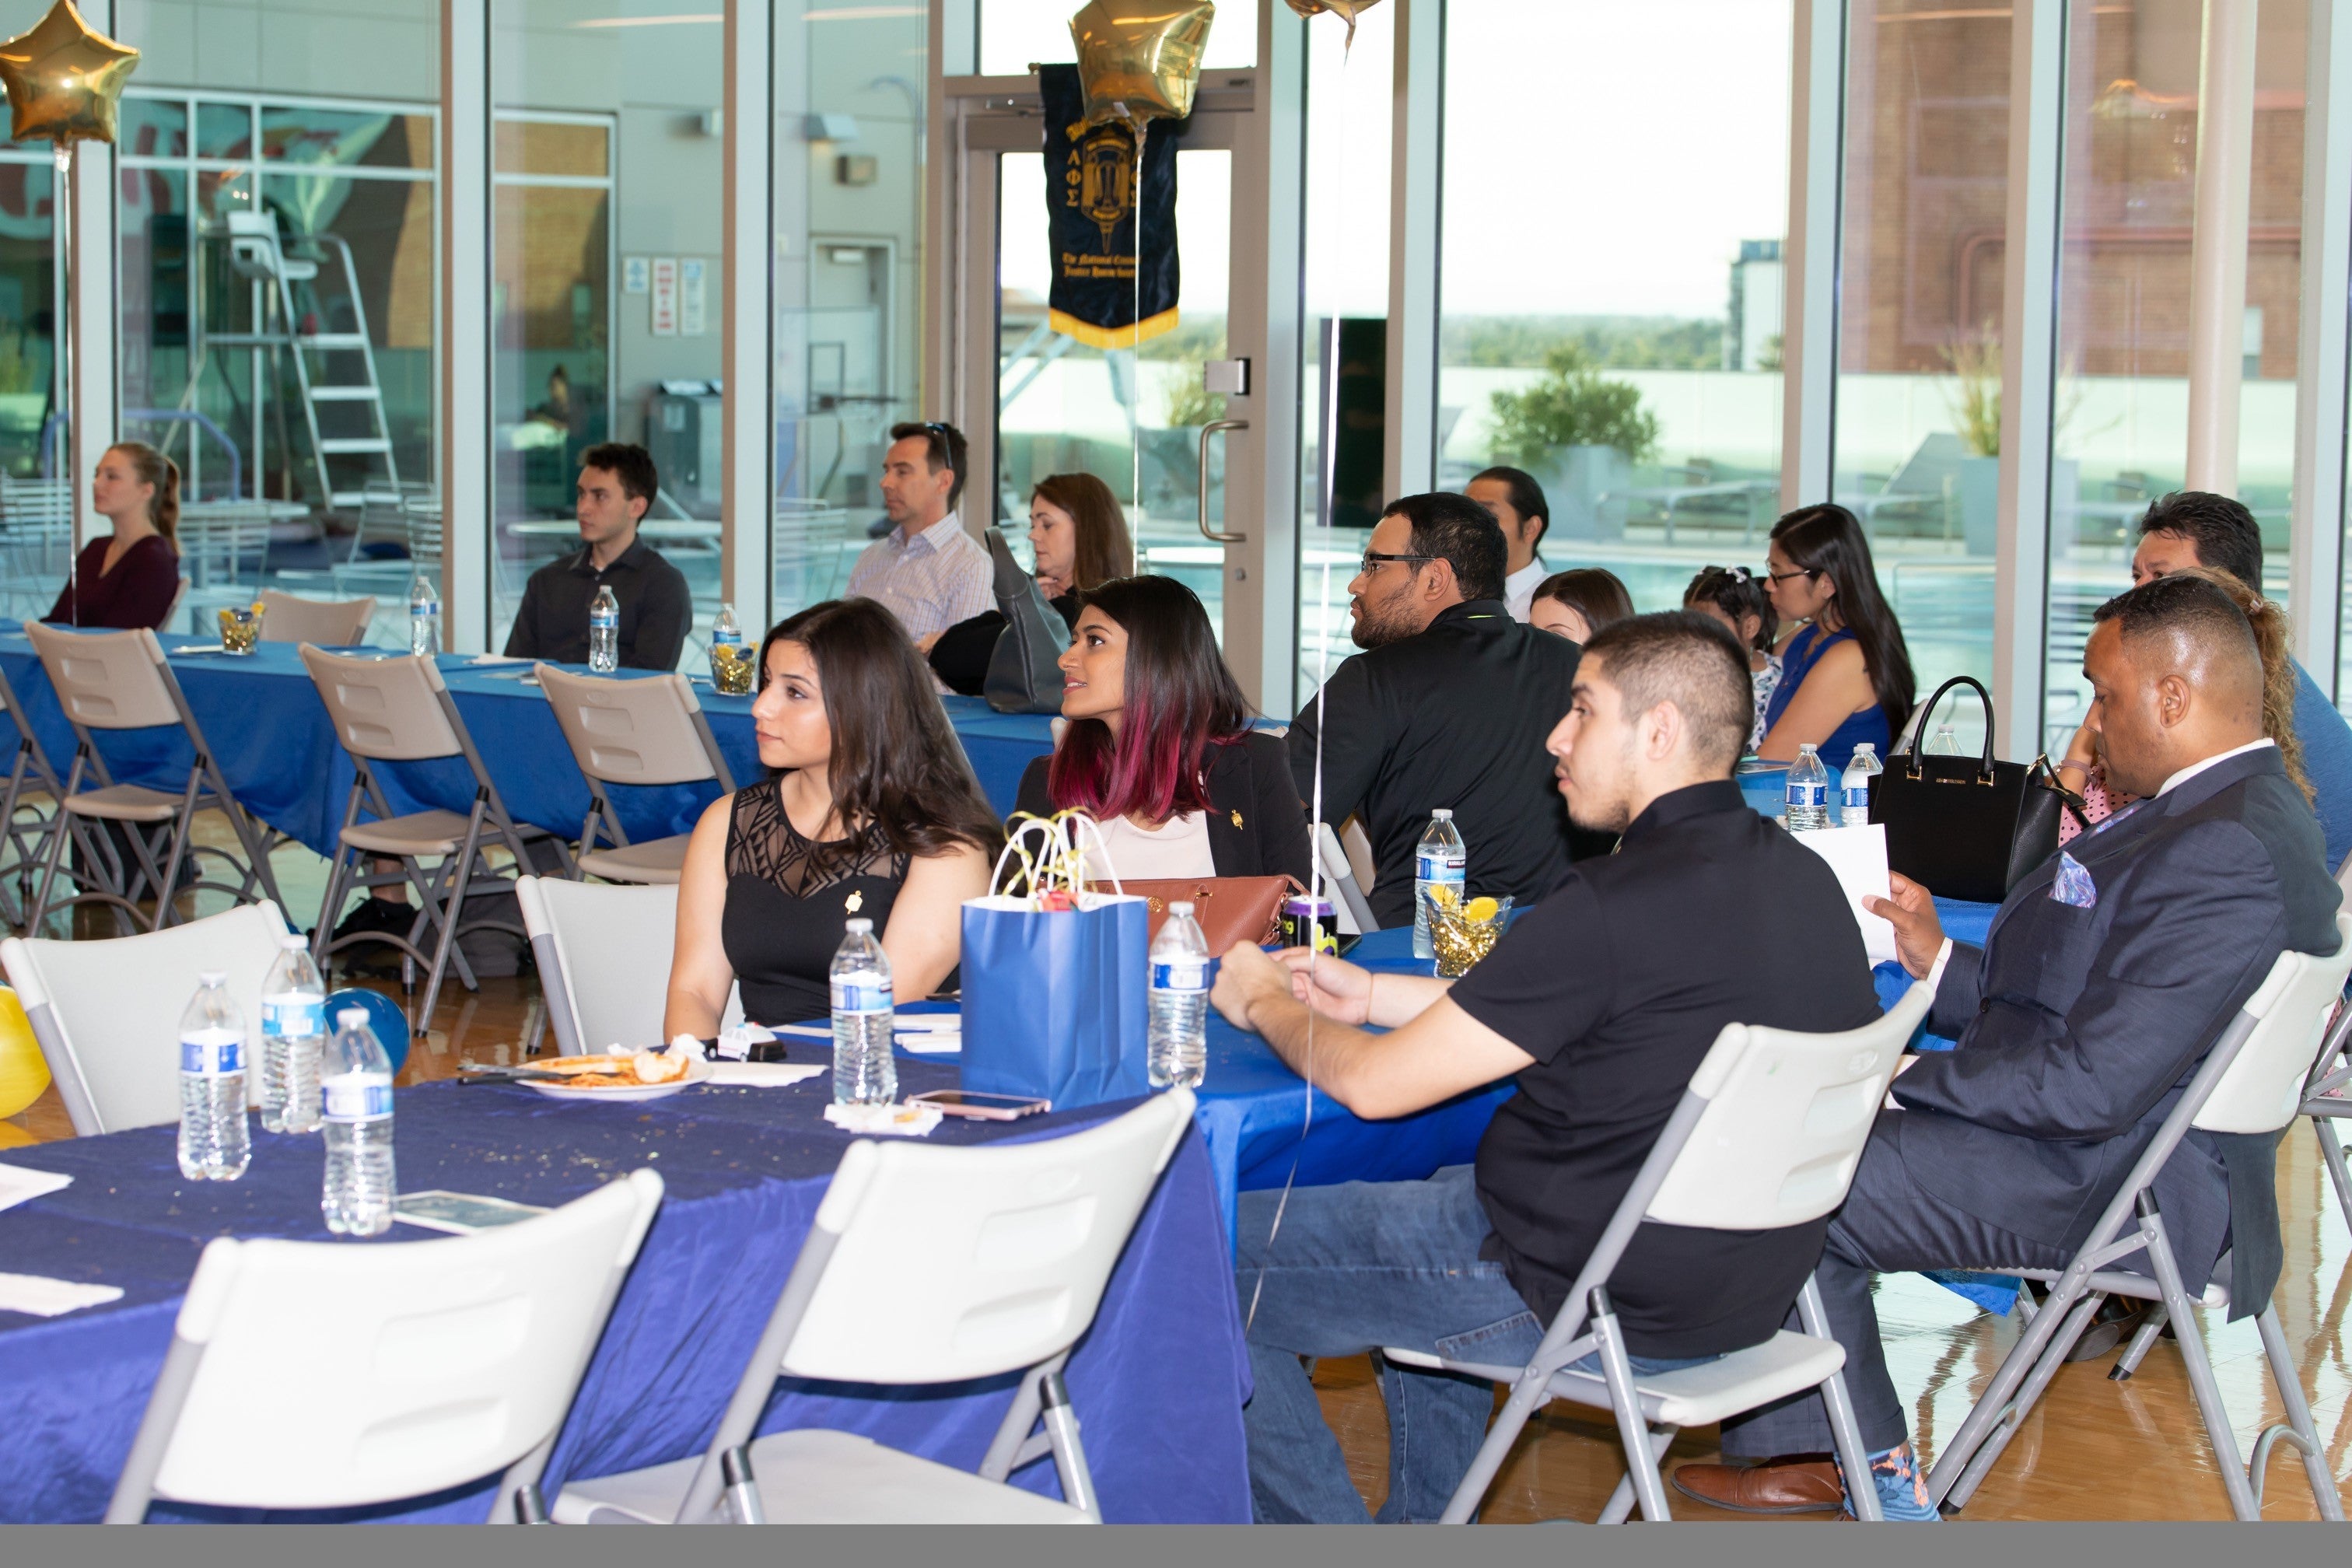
x=1375, y=559
x=1784, y=576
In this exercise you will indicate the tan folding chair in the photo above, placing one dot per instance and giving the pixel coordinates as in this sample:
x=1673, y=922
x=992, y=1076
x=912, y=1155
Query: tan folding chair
x=328, y=623
x=398, y=711
x=645, y=731
x=120, y=680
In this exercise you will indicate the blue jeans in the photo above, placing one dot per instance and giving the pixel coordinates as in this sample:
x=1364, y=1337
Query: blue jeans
x=1357, y=1266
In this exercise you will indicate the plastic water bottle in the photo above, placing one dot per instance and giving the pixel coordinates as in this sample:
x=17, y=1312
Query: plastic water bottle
x=605, y=632
x=1808, y=791
x=863, y=1070
x=293, y=1033
x=1180, y=1000
x=726, y=631
x=1945, y=744
x=356, y=1097
x=1440, y=860
x=424, y=615
x=1853, y=790
x=215, y=1143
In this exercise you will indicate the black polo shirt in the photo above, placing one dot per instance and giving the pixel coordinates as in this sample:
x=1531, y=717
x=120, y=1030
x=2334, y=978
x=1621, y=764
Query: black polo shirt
x=1617, y=983
x=655, y=610
x=1454, y=716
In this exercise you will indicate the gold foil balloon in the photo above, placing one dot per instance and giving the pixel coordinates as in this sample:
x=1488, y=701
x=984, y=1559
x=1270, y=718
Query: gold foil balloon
x=64, y=79
x=1348, y=10
x=1140, y=59
x=24, y=1072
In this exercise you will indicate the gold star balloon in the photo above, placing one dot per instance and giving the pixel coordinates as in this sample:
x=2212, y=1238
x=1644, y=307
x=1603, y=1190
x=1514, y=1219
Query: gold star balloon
x=1348, y=10
x=64, y=79
x=1139, y=60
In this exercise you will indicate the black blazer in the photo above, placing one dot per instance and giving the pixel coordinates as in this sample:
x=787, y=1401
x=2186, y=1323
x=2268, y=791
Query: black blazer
x=961, y=655
x=2079, y=1027
x=1256, y=826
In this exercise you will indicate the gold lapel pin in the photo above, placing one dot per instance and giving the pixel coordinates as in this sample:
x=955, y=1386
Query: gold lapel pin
x=1237, y=820
x=855, y=902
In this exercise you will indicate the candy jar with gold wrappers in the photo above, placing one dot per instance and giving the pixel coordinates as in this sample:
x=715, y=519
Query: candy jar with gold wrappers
x=240, y=628
x=730, y=669
x=1463, y=933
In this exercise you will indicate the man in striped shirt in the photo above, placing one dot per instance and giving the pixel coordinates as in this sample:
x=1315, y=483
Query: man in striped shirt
x=927, y=571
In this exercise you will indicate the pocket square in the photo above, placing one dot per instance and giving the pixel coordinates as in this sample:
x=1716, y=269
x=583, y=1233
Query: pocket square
x=2072, y=885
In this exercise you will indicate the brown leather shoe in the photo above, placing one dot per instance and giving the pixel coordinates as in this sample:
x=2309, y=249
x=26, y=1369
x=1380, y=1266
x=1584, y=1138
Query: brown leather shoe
x=1797, y=1483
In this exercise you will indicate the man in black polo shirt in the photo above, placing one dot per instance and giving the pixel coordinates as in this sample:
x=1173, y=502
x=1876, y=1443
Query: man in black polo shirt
x=1602, y=1001
x=618, y=483
x=1447, y=706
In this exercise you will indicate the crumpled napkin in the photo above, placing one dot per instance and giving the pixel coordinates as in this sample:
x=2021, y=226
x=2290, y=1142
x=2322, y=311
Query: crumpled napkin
x=901, y=1120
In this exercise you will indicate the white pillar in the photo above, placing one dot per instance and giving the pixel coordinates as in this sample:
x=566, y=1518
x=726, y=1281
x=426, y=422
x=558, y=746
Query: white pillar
x=464, y=443
x=2217, y=247
x=1415, y=213
x=2028, y=358
x=96, y=411
x=2317, y=552
x=748, y=314
x=1810, y=253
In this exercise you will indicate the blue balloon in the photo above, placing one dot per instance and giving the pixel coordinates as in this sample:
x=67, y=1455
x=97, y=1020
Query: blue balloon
x=384, y=1016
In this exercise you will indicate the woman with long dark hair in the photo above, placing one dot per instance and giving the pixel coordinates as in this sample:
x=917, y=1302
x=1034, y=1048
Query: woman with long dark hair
x=1579, y=602
x=1845, y=674
x=130, y=576
x=870, y=810
x=1079, y=534
x=1159, y=751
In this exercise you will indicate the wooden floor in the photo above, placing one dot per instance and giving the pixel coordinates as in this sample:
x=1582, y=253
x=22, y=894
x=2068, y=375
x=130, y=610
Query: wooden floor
x=2095, y=1450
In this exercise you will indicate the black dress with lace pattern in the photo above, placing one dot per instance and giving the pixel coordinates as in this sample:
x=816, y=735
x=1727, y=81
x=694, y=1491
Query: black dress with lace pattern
x=787, y=898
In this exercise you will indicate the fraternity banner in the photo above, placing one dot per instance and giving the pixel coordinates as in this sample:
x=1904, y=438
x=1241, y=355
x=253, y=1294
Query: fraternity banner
x=1093, y=216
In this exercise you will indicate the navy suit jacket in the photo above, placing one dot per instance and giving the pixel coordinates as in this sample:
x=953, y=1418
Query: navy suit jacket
x=2078, y=1028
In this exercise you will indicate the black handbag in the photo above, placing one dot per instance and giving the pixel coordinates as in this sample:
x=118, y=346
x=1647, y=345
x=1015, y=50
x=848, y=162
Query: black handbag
x=1022, y=677
x=1966, y=828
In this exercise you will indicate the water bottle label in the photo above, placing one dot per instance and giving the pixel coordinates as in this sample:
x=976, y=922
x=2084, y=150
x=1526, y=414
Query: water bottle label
x=355, y=1100
x=728, y=639
x=601, y=619
x=294, y=1019
x=1801, y=794
x=211, y=1057
x=1857, y=797
x=1443, y=868
x=859, y=995
x=1189, y=976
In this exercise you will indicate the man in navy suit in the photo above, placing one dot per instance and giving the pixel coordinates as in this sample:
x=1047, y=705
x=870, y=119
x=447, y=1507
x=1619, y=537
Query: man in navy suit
x=2106, y=976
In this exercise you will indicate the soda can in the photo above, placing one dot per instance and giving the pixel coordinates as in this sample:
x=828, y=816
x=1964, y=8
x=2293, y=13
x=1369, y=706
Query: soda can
x=1305, y=920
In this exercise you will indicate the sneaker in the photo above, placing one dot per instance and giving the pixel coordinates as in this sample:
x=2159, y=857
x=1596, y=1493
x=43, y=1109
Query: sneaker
x=1902, y=1488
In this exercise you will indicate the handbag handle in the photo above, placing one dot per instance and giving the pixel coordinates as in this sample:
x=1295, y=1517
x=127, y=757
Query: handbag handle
x=1913, y=753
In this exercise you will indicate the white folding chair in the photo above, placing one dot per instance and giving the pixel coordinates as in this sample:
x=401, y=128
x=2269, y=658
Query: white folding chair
x=2327, y=1095
x=329, y=623
x=2251, y=1081
x=645, y=730
x=603, y=955
x=1767, y=1136
x=120, y=680
x=107, y=1013
x=925, y=1265
x=398, y=711
x=32, y=785
x=307, y=1374
x=1354, y=908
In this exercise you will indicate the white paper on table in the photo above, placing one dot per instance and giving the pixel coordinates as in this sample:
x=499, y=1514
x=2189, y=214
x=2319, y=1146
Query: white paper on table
x=762, y=1075
x=44, y=1297
x=482, y=658
x=20, y=1185
x=1858, y=855
x=931, y=1043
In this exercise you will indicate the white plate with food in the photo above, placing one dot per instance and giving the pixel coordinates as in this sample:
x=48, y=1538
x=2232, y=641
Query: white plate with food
x=645, y=1075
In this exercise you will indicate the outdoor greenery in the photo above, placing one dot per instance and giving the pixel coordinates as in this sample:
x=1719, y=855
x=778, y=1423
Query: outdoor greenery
x=1612, y=343
x=1573, y=405
x=1974, y=401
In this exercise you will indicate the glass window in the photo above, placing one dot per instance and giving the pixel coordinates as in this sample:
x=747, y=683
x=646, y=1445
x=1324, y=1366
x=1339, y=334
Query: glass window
x=1917, y=439
x=223, y=130
x=1615, y=189
x=154, y=127
x=578, y=148
x=379, y=140
x=32, y=486
x=1013, y=34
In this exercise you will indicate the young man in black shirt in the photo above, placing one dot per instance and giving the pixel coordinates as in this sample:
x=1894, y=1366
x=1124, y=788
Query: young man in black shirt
x=1602, y=1001
x=1448, y=706
x=618, y=483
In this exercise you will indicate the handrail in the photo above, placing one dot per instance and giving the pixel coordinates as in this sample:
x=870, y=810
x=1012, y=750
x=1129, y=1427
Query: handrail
x=1211, y=429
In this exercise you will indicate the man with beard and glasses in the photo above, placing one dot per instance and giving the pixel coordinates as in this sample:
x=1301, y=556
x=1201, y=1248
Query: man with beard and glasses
x=1447, y=706
x=1600, y=1003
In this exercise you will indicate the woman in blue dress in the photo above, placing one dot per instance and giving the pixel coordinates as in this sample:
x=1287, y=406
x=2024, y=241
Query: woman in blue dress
x=1845, y=674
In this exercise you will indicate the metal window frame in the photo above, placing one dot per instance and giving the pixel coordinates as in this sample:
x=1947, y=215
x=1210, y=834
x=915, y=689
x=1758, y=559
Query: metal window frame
x=1809, y=251
x=1416, y=221
x=467, y=268
x=2316, y=547
x=2029, y=332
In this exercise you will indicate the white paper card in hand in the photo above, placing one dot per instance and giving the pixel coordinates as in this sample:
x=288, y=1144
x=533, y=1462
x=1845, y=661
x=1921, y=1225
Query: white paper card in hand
x=45, y=1297
x=19, y=1185
x=762, y=1075
x=1858, y=855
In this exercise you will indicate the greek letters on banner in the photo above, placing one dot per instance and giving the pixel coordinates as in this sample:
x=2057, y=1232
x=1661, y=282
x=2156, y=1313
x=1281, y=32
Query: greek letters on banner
x=1093, y=212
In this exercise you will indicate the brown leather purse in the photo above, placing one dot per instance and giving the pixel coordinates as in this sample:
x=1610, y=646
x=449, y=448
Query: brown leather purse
x=1230, y=908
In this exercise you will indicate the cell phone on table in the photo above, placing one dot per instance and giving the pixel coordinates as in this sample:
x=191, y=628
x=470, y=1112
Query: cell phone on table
x=987, y=1106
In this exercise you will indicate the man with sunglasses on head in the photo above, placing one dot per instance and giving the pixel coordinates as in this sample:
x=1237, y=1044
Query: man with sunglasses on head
x=1448, y=706
x=927, y=571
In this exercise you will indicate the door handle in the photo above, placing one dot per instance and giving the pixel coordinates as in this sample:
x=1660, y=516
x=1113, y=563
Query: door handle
x=1211, y=429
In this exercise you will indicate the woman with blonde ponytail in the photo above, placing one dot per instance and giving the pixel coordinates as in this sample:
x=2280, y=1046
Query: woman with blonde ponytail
x=130, y=576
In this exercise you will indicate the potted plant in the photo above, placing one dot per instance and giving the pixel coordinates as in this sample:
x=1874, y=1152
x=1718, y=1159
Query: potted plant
x=1580, y=433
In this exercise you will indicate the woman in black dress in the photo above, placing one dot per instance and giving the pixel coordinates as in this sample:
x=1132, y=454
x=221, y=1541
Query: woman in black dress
x=871, y=811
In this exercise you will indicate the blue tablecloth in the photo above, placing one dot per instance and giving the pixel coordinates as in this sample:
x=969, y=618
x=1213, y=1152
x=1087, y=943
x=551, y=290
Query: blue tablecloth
x=1158, y=1382
x=268, y=729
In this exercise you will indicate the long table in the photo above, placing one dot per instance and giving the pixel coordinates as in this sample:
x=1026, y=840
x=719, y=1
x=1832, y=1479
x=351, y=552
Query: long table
x=1158, y=1382
x=268, y=731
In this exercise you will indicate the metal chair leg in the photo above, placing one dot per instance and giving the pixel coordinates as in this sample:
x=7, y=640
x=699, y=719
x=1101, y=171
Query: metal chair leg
x=2011, y=1419
x=1853, y=1457
x=1633, y=1430
x=2150, y=1325
x=1620, y=1506
x=2299, y=1428
x=1069, y=1454
x=2242, y=1502
x=2331, y=1149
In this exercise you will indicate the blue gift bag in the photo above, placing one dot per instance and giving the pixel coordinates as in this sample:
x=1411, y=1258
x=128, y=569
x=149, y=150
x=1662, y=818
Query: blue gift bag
x=1055, y=1002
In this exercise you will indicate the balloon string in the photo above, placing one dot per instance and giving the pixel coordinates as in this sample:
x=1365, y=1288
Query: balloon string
x=1135, y=351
